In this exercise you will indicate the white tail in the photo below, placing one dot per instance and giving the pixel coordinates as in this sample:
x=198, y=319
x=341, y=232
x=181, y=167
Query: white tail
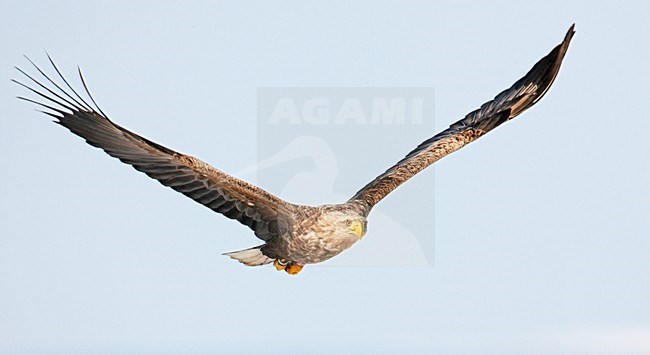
x=250, y=257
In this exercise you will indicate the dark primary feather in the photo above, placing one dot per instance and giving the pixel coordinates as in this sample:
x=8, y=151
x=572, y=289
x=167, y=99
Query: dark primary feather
x=263, y=212
x=505, y=106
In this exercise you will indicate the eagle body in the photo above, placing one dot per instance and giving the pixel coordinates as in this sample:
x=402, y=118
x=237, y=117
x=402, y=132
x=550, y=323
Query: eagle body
x=311, y=235
x=293, y=235
x=326, y=233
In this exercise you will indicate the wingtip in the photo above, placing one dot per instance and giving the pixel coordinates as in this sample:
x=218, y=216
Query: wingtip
x=570, y=33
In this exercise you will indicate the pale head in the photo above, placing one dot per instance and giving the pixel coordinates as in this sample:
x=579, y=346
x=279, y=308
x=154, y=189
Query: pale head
x=345, y=220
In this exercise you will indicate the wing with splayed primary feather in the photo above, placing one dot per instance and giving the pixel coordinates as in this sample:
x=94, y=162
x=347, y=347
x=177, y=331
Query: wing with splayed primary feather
x=263, y=212
x=505, y=106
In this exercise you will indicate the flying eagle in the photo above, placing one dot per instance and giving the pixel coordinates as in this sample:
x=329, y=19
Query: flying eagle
x=293, y=235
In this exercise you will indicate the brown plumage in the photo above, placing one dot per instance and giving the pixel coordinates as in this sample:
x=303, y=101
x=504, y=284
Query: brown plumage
x=505, y=106
x=293, y=235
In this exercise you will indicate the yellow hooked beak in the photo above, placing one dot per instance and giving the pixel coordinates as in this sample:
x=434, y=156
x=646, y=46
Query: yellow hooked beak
x=357, y=228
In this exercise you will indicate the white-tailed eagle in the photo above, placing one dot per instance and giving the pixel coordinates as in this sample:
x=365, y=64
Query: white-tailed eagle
x=293, y=235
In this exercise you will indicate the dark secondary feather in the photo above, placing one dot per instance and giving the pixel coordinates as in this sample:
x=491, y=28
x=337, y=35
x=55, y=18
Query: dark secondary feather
x=505, y=106
x=234, y=198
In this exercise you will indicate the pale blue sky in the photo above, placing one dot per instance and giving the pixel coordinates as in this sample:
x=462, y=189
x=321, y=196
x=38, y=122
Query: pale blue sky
x=542, y=236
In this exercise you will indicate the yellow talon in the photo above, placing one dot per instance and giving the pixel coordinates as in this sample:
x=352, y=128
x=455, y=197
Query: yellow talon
x=279, y=265
x=293, y=269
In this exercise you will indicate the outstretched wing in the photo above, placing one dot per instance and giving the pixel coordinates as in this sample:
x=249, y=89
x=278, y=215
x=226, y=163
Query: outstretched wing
x=234, y=198
x=505, y=106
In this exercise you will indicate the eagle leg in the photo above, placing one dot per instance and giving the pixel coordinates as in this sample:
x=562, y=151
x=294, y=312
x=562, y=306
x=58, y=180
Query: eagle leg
x=280, y=264
x=293, y=268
